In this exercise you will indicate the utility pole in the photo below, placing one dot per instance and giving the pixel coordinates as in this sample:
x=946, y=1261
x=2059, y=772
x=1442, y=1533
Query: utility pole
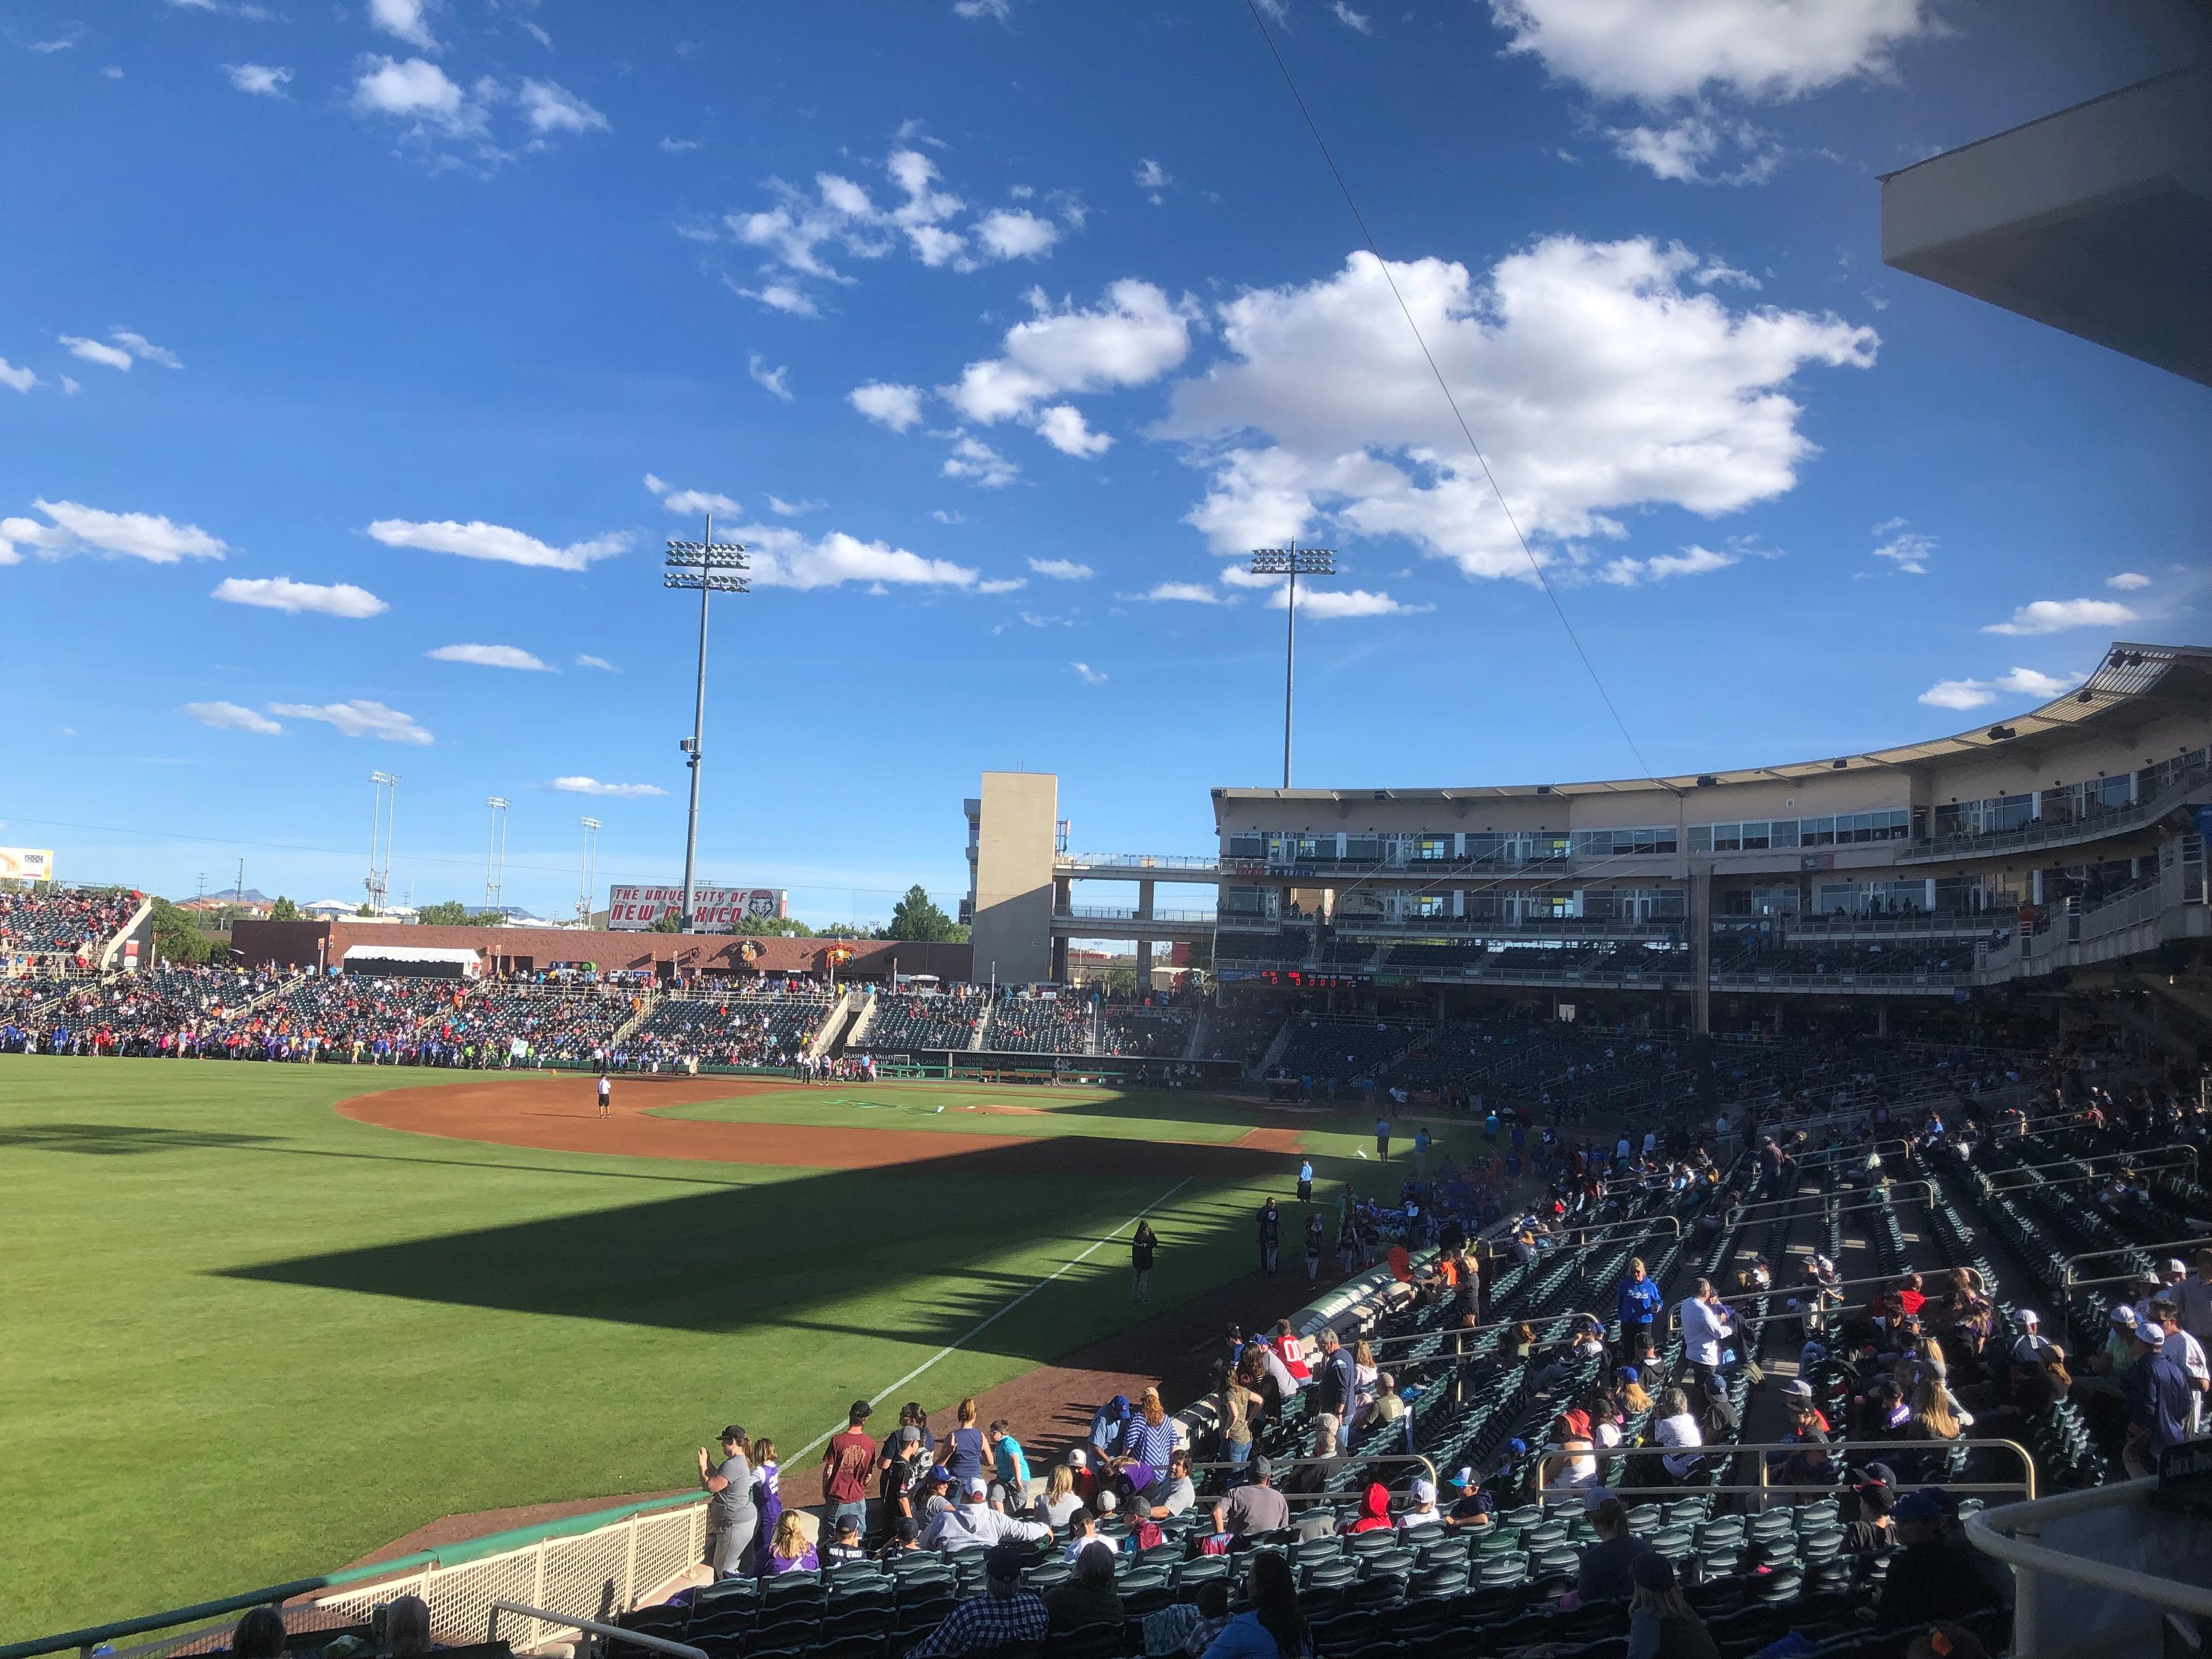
x=495, y=860
x=591, y=885
x=1293, y=562
x=238, y=893
x=712, y=568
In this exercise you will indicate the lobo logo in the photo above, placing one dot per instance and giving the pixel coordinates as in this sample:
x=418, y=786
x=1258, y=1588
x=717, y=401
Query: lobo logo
x=750, y=950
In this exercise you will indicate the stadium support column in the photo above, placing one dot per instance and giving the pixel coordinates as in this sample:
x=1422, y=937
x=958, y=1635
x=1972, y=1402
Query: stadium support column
x=1143, y=946
x=1698, y=908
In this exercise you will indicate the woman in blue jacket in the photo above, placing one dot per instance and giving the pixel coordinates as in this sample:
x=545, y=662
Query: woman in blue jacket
x=1274, y=1628
x=1639, y=1300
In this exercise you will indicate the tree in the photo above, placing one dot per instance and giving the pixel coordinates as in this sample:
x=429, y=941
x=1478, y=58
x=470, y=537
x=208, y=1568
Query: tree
x=284, y=910
x=447, y=913
x=670, y=923
x=177, y=937
x=774, y=927
x=915, y=918
x=364, y=910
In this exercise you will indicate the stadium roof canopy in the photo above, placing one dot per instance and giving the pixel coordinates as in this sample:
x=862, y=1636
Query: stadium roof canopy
x=2134, y=682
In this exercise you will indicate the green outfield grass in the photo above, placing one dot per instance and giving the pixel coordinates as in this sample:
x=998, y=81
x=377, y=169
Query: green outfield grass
x=249, y=1339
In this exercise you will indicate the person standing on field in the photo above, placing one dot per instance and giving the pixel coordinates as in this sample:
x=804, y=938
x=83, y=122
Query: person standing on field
x=1383, y=1140
x=1140, y=1260
x=1305, y=1180
x=606, y=1096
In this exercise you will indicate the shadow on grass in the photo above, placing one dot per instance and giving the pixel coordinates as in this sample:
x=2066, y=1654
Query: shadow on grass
x=916, y=1237
x=118, y=1139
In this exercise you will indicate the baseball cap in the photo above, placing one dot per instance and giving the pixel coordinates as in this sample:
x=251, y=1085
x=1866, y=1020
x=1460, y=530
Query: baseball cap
x=1005, y=1561
x=735, y=1431
x=1106, y=1502
x=1626, y=1374
x=1653, y=1571
x=2151, y=1334
x=1261, y=1468
x=938, y=1472
x=1464, y=1478
x=2027, y=1317
x=1079, y=1459
x=1518, y=1448
x=2124, y=1315
x=1813, y=1354
x=977, y=1487
x=1929, y=1503
x=847, y=1523
x=1797, y=1389
x=2175, y=1265
x=1425, y=1490
x=1877, y=1475
x=862, y=1410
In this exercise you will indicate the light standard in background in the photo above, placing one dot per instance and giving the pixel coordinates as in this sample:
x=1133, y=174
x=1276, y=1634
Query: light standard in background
x=495, y=859
x=712, y=568
x=384, y=805
x=1293, y=562
x=591, y=856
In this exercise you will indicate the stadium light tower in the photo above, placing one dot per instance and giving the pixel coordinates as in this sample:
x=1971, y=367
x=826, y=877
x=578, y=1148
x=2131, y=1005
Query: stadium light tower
x=495, y=859
x=384, y=804
x=1293, y=562
x=590, y=854
x=712, y=568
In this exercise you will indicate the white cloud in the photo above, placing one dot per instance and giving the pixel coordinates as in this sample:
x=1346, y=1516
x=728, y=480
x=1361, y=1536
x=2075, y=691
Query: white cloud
x=2127, y=581
x=771, y=379
x=1908, y=550
x=1351, y=19
x=2019, y=683
x=233, y=717
x=1062, y=570
x=1003, y=585
x=1690, y=562
x=359, y=718
x=888, y=404
x=1153, y=179
x=69, y=387
x=1016, y=233
x=780, y=297
x=1089, y=675
x=1135, y=335
x=784, y=509
x=942, y=517
x=1597, y=381
x=1062, y=427
x=402, y=20
x=581, y=786
x=22, y=379
x=260, y=79
x=971, y=457
x=144, y=349
x=999, y=10
x=478, y=540
x=677, y=146
x=1701, y=148
x=489, y=656
x=1186, y=593
x=783, y=557
x=599, y=663
x=1324, y=604
x=690, y=503
x=419, y=92
x=1657, y=50
x=2057, y=615
x=93, y=351
x=550, y=108
x=282, y=594
x=78, y=529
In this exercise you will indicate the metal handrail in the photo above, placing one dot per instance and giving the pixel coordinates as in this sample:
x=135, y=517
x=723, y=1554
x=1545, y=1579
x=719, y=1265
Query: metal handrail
x=1893, y=1188
x=1809, y=1285
x=1373, y=1343
x=2129, y=1159
x=1730, y=1447
x=615, y=1633
x=1343, y=1460
x=1583, y=1235
x=1991, y=1532
x=2067, y=1276
x=86, y=1640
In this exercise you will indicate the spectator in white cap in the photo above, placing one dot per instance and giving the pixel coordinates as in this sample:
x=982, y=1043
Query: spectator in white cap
x=973, y=1521
x=2030, y=1347
x=2116, y=1356
x=2186, y=1351
x=1423, y=1511
x=2195, y=1296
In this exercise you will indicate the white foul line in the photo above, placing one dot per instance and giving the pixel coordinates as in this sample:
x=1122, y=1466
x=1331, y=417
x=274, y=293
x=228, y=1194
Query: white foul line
x=993, y=1319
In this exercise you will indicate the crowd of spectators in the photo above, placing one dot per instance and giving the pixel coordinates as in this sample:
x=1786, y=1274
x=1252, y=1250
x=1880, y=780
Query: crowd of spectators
x=772, y=1025
x=50, y=921
x=1030, y=1023
x=926, y=1019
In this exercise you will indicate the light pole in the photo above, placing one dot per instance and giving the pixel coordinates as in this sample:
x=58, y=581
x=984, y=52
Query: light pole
x=495, y=859
x=591, y=850
x=384, y=805
x=1293, y=562
x=712, y=568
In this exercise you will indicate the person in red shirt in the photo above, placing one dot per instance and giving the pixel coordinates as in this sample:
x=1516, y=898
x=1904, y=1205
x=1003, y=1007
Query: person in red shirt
x=1374, y=1511
x=1908, y=1296
x=847, y=1462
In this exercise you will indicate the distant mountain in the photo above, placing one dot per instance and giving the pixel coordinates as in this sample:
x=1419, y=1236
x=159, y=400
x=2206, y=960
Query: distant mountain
x=230, y=895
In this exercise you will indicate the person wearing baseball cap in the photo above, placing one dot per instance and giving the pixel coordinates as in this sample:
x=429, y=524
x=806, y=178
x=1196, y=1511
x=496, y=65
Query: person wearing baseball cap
x=1471, y=1506
x=973, y=1521
x=2158, y=1396
x=846, y=1464
x=1257, y=1506
x=1423, y=1511
x=1659, y=1620
x=731, y=1517
x=1006, y=1615
x=2030, y=1347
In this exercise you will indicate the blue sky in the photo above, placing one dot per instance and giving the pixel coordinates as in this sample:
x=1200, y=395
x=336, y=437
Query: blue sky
x=355, y=357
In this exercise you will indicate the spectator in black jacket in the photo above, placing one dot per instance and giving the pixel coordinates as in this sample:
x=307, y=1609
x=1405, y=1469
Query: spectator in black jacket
x=1934, y=1576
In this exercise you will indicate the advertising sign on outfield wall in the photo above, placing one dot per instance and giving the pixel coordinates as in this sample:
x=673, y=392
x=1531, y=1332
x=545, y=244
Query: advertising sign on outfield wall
x=26, y=864
x=714, y=910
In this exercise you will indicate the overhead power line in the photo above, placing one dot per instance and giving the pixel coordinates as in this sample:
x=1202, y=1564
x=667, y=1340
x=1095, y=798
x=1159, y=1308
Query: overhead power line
x=1443, y=386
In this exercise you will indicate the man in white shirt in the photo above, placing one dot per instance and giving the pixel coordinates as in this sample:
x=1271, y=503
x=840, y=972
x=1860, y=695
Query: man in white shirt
x=973, y=1521
x=2181, y=1346
x=2195, y=1298
x=1708, y=1324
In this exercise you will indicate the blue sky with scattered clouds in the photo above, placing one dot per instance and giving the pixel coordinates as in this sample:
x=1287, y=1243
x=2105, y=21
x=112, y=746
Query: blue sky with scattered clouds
x=356, y=358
